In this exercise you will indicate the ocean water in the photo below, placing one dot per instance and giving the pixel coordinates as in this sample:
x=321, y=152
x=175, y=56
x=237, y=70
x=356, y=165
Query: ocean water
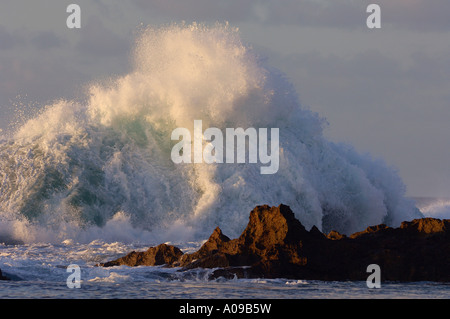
x=39, y=271
x=89, y=179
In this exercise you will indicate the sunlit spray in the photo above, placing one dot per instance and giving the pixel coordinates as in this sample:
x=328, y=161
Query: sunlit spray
x=100, y=166
x=213, y=152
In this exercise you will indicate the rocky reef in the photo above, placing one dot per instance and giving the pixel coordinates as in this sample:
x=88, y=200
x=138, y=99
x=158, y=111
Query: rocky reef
x=3, y=277
x=276, y=245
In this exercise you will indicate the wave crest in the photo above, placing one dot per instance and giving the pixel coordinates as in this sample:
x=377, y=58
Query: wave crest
x=82, y=163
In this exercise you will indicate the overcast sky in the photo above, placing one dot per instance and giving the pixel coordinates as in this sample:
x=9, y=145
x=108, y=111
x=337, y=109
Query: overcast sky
x=386, y=91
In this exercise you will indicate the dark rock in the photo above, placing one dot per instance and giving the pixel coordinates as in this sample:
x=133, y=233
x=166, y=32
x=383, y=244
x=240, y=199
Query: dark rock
x=215, y=242
x=213, y=260
x=275, y=244
x=428, y=226
x=160, y=255
x=334, y=235
x=272, y=238
x=3, y=277
x=370, y=230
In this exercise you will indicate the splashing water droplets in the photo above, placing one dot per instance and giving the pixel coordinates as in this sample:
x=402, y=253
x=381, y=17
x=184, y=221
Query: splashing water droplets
x=78, y=170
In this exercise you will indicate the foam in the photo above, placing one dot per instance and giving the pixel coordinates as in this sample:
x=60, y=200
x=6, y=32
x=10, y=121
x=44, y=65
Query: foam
x=101, y=168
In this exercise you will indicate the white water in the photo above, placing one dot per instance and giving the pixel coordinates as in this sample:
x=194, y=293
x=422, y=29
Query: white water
x=39, y=271
x=434, y=207
x=99, y=167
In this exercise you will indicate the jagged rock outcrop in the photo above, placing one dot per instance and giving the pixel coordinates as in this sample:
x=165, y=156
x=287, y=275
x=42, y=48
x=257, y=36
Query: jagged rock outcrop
x=275, y=244
x=3, y=277
x=160, y=255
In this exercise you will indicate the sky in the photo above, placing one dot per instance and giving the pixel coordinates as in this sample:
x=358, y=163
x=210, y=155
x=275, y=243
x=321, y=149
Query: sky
x=385, y=91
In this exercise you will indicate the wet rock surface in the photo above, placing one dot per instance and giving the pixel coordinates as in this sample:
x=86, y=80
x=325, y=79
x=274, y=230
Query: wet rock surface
x=276, y=245
x=3, y=277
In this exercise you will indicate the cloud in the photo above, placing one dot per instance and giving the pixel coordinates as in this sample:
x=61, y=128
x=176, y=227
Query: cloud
x=307, y=13
x=46, y=40
x=23, y=38
x=198, y=10
x=393, y=107
x=41, y=77
x=325, y=13
x=7, y=40
x=417, y=15
x=97, y=40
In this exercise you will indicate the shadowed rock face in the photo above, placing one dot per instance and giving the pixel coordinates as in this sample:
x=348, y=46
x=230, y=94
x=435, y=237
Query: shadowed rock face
x=3, y=277
x=160, y=255
x=275, y=244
